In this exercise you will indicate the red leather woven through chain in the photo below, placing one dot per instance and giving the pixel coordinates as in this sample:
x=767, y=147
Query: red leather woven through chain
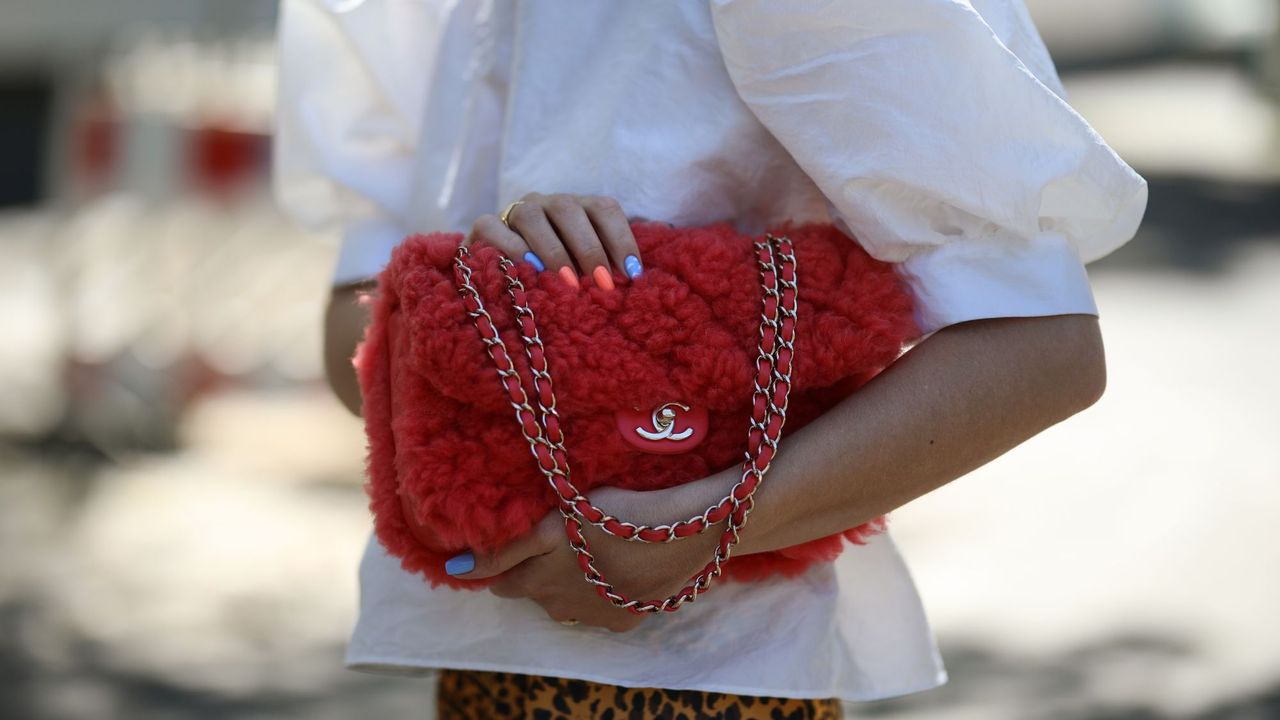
x=545, y=435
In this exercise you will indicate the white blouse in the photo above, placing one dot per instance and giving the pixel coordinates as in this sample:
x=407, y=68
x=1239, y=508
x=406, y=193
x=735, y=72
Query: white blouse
x=934, y=131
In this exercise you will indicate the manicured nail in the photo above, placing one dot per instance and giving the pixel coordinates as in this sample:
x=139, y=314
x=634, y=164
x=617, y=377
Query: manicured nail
x=603, y=278
x=535, y=261
x=633, y=266
x=459, y=564
x=569, y=276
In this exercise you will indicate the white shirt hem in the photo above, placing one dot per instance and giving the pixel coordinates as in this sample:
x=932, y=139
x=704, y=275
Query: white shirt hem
x=380, y=665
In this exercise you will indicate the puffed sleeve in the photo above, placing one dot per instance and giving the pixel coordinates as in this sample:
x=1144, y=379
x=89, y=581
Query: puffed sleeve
x=938, y=147
x=347, y=119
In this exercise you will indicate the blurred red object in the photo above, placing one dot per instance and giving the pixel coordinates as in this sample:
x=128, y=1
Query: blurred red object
x=222, y=159
x=95, y=144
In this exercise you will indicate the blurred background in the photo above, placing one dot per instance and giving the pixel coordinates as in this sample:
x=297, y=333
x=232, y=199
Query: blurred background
x=160, y=387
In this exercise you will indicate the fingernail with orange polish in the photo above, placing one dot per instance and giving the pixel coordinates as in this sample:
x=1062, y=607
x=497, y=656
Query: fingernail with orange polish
x=569, y=276
x=603, y=278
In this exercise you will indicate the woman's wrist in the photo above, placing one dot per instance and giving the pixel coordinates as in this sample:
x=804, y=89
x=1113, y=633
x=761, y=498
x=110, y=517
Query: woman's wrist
x=757, y=536
x=664, y=507
x=651, y=570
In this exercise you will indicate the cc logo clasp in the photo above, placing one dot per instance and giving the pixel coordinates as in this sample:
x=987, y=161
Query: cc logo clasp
x=664, y=421
x=668, y=429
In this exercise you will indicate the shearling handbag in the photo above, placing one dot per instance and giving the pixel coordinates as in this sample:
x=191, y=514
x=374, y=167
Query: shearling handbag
x=494, y=394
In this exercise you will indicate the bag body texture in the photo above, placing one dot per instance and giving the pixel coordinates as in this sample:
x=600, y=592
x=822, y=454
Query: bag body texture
x=448, y=467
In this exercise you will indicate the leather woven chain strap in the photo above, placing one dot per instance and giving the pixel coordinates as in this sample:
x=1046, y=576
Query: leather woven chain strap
x=545, y=436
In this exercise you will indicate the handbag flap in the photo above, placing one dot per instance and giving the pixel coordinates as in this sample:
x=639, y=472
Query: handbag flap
x=686, y=330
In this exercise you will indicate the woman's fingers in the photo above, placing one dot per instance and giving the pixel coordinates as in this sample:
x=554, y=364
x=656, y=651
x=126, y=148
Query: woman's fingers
x=575, y=229
x=529, y=219
x=615, y=233
x=575, y=235
x=608, y=618
x=490, y=229
x=470, y=565
x=530, y=578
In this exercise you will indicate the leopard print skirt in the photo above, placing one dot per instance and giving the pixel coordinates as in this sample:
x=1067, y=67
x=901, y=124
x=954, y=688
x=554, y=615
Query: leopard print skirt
x=480, y=695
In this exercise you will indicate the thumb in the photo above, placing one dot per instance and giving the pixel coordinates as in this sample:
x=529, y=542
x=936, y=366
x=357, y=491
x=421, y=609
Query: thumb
x=478, y=566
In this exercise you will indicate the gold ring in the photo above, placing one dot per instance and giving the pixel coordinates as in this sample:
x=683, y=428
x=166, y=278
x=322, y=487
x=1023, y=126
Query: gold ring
x=569, y=622
x=506, y=213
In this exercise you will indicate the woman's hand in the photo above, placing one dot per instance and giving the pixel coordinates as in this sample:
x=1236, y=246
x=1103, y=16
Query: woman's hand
x=541, y=566
x=570, y=235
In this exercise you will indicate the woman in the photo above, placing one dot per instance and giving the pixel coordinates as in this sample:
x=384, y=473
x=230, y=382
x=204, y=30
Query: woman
x=933, y=131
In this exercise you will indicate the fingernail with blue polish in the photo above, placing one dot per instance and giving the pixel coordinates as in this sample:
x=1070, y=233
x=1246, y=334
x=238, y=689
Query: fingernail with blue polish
x=460, y=564
x=535, y=261
x=632, y=266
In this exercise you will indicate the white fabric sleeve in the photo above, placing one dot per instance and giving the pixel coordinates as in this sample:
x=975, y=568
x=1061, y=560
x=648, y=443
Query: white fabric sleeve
x=347, y=119
x=937, y=147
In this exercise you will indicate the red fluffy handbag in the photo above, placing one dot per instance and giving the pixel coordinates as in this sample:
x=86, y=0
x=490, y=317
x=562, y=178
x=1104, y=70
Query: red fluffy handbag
x=494, y=394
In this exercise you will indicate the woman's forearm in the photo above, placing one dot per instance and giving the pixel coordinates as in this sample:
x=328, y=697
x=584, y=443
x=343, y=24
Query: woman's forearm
x=344, y=321
x=961, y=398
